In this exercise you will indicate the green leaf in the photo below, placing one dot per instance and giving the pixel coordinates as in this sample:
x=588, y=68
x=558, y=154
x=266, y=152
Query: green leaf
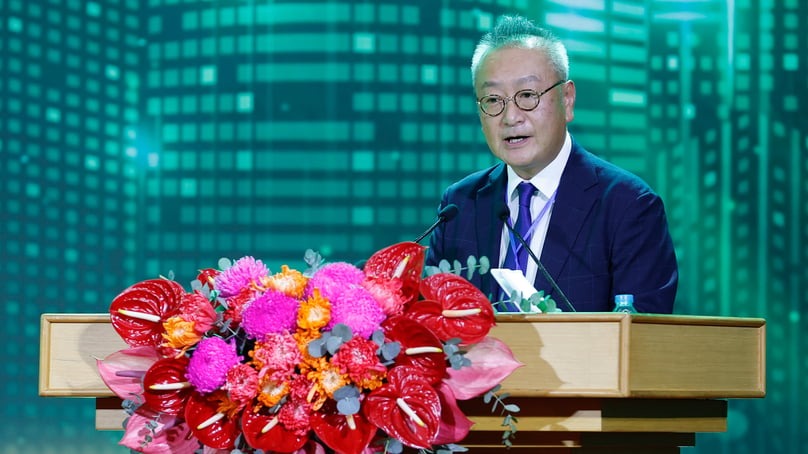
x=513, y=408
x=224, y=263
x=444, y=266
x=458, y=267
x=485, y=265
x=551, y=304
x=471, y=263
x=431, y=270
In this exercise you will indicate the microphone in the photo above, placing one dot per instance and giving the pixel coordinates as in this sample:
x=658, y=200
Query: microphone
x=444, y=215
x=504, y=214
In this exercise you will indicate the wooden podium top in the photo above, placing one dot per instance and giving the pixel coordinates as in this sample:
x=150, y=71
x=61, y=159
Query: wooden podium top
x=565, y=355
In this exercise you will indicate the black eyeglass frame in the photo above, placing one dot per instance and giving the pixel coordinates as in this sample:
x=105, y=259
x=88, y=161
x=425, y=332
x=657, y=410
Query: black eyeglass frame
x=503, y=101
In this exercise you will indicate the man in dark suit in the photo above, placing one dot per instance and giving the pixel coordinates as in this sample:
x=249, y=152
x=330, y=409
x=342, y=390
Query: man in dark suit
x=599, y=230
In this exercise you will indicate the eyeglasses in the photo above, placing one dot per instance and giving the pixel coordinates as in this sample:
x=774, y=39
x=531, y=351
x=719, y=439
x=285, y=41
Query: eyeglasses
x=527, y=100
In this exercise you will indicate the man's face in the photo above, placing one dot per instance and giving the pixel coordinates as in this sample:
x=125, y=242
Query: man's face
x=525, y=140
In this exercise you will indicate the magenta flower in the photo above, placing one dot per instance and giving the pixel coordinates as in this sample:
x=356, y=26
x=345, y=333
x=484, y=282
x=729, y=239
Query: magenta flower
x=246, y=271
x=334, y=278
x=272, y=312
x=357, y=308
x=213, y=357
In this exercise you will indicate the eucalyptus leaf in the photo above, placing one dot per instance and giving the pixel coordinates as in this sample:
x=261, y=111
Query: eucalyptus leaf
x=485, y=265
x=513, y=408
x=378, y=337
x=348, y=406
x=394, y=446
x=332, y=344
x=444, y=266
x=458, y=267
x=345, y=392
x=316, y=348
x=471, y=264
x=224, y=263
x=431, y=270
x=390, y=350
x=342, y=331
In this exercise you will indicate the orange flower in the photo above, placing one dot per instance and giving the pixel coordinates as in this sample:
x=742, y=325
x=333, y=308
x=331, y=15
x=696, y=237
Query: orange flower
x=272, y=391
x=308, y=363
x=288, y=281
x=328, y=379
x=227, y=406
x=314, y=312
x=180, y=333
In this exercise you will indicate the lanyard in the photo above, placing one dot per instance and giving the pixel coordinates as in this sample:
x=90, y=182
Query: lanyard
x=514, y=245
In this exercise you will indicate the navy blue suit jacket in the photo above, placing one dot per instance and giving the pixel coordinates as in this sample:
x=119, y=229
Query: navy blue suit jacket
x=608, y=235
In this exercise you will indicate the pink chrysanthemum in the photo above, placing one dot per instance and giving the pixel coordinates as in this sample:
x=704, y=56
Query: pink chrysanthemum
x=387, y=293
x=272, y=312
x=334, y=278
x=278, y=355
x=356, y=308
x=241, y=384
x=296, y=416
x=246, y=271
x=357, y=358
x=213, y=357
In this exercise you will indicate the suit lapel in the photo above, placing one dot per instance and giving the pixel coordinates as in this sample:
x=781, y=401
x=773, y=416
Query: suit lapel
x=490, y=198
x=574, y=201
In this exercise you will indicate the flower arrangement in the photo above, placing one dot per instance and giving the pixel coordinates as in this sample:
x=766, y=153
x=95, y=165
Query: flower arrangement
x=333, y=358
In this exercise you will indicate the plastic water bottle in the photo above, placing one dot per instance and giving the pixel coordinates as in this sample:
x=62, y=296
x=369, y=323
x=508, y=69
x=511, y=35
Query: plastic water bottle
x=624, y=303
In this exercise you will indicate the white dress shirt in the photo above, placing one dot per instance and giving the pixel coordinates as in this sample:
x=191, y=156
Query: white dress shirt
x=546, y=181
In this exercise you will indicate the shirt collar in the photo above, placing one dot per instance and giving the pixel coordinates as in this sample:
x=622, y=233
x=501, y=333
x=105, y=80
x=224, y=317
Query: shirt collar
x=548, y=179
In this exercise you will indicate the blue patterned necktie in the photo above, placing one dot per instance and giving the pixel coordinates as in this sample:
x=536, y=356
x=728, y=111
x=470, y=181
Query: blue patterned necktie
x=518, y=261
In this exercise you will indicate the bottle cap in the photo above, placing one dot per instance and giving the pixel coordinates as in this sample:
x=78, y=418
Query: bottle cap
x=624, y=299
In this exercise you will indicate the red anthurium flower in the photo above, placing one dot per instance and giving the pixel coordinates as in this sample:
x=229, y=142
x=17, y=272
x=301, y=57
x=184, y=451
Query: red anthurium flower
x=453, y=308
x=263, y=431
x=165, y=388
x=138, y=313
x=403, y=261
x=206, y=276
x=208, y=425
x=334, y=429
x=420, y=348
x=407, y=408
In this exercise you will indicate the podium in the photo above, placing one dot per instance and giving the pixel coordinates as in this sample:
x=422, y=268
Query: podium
x=591, y=382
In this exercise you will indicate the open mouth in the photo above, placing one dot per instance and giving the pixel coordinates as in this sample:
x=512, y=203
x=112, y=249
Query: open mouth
x=515, y=140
